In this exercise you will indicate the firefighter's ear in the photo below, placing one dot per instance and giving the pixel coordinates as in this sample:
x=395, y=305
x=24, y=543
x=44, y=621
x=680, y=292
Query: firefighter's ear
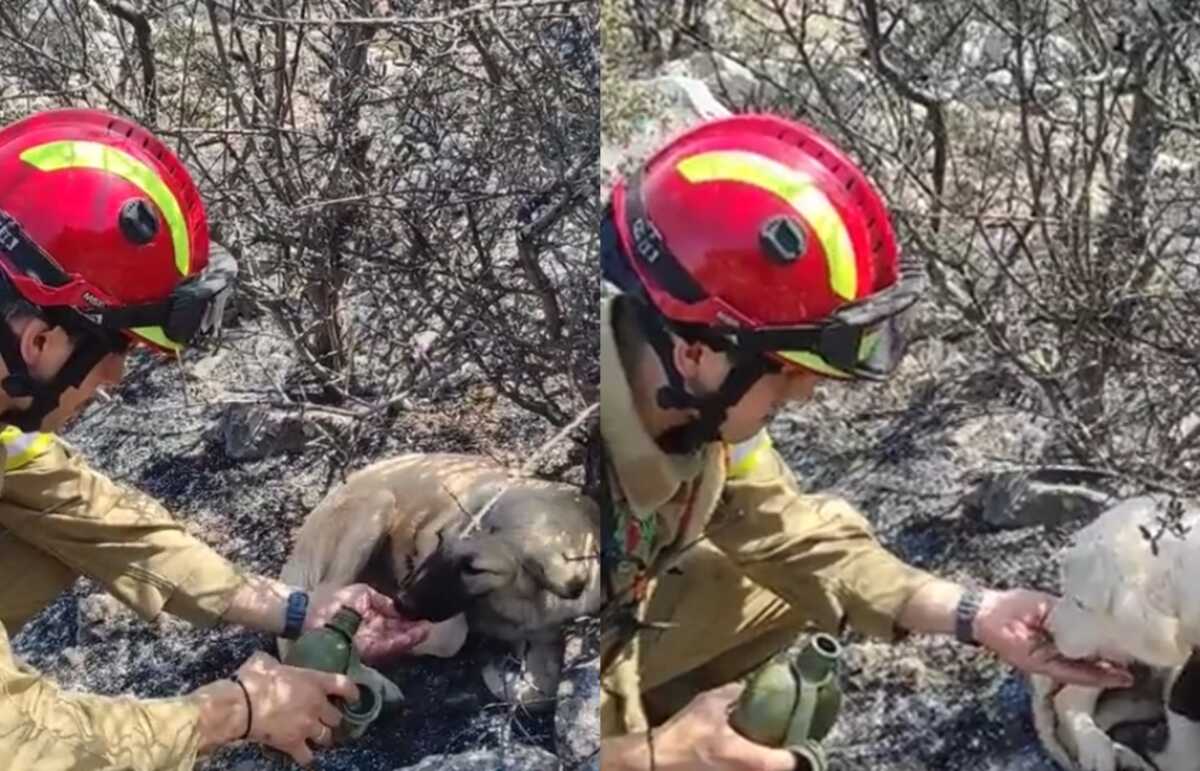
x=37, y=341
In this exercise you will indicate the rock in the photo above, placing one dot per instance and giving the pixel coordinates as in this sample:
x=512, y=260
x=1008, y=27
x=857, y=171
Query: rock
x=1023, y=499
x=577, y=722
x=672, y=103
x=1000, y=81
x=102, y=617
x=719, y=73
x=1185, y=427
x=1015, y=435
x=253, y=432
x=985, y=46
x=422, y=342
x=205, y=369
x=515, y=757
x=1169, y=165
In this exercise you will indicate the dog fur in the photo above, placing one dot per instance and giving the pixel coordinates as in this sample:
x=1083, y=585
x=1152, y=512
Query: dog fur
x=531, y=566
x=1131, y=593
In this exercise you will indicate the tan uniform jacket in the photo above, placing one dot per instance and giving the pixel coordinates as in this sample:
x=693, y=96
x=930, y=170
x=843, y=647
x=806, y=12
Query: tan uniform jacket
x=59, y=519
x=814, y=551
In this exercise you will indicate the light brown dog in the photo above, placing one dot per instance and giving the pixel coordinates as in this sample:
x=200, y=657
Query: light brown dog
x=404, y=526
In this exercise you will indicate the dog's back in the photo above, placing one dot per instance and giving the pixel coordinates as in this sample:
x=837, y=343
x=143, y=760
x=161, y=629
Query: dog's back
x=404, y=501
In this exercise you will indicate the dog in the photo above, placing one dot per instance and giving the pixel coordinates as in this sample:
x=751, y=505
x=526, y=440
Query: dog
x=1131, y=594
x=405, y=526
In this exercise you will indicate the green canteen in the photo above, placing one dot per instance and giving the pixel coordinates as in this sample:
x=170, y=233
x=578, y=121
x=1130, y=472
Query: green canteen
x=331, y=649
x=793, y=703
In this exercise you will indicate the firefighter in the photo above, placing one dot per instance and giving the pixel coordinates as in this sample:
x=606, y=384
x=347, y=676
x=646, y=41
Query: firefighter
x=752, y=259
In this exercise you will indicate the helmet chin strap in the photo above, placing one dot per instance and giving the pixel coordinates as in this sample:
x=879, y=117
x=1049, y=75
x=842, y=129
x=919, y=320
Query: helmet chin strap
x=19, y=383
x=713, y=408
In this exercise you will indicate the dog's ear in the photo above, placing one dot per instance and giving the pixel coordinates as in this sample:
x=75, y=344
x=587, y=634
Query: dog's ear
x=554, y=572
x=1153, y=636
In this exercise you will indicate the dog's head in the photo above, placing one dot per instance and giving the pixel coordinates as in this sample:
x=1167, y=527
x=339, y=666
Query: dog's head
x=1116, y=596
x=517, y=551
x=465, y=569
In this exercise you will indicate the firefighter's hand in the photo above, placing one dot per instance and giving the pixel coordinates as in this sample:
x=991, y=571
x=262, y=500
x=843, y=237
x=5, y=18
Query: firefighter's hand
x=1013, y=625
x=696, y=739
x=383, y=634
x=290, y=707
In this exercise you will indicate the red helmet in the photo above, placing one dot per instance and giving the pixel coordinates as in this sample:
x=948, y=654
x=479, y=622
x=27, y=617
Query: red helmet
x=761, y=230
x=114, y=211
x=102, y=228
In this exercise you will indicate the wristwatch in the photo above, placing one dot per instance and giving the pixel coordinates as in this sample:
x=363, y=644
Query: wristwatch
x=964, y=616
x=297, y=611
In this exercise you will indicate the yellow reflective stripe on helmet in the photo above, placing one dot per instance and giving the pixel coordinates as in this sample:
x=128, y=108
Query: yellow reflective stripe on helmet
x=54, y=156
x=20, y=448
x=814, y=362
x=745, y=456
x=157, y=336
x=799, y=190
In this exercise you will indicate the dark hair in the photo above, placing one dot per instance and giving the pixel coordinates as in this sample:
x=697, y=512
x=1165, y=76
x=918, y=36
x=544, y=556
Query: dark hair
x=14, y=307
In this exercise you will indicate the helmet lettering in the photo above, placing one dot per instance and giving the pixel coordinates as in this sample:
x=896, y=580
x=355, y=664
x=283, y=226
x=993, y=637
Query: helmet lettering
x=8, y=239
x=647, y=239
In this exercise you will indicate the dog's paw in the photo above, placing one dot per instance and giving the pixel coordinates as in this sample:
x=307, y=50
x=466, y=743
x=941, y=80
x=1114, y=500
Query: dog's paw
x=1096, y=751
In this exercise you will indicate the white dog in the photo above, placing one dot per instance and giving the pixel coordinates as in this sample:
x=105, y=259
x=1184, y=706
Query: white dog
x=1131, y=593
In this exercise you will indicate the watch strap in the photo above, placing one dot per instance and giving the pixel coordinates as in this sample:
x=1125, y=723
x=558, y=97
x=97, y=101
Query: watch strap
x=297, y=611
x=964, y=616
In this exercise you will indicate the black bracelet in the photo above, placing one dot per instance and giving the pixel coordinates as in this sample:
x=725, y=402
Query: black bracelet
x=249, y=709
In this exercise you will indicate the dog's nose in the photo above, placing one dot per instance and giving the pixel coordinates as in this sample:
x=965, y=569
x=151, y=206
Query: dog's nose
x=575, y=588
x=400, y=602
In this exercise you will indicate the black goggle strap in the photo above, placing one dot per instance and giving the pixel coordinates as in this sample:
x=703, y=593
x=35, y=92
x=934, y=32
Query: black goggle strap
x=26, y=256
x=195, y=308
x=614, y=265
x=651, y=250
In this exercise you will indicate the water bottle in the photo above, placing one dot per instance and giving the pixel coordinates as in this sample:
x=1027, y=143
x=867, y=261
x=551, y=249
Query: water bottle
x=331, y=649
x=793, y=702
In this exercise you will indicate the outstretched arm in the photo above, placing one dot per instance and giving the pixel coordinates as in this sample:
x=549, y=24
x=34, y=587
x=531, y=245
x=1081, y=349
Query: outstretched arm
x=1012, y=624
